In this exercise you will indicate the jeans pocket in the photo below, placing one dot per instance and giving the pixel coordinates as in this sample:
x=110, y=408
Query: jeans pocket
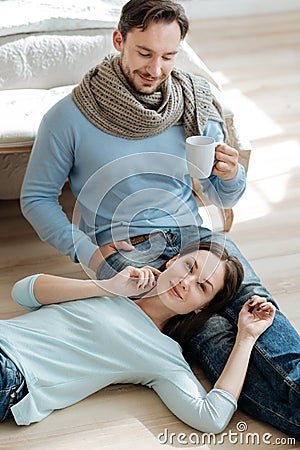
x=13, y=387
x=149, y=252
x=15, y=394
x=9, y=397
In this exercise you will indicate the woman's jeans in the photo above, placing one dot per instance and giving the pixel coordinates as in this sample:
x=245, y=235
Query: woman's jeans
x=271, y=391
x=12, y=385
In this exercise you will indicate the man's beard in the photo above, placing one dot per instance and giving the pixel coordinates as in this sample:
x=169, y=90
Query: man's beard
x=130, y=81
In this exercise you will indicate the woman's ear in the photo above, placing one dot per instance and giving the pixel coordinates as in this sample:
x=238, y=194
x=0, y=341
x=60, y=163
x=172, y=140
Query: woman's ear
x=196, y=311
x=118, y=40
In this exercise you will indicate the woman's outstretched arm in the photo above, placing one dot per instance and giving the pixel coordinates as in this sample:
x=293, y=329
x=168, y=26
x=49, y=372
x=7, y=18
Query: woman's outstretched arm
x=255, y=317
x=37, y=290
x=211, y=412
x=47, y=289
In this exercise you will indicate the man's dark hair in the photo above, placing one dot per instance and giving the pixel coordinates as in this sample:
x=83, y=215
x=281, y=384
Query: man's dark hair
x=141, y=13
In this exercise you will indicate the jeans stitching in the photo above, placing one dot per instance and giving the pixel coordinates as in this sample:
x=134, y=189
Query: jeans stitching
x=271, y=363
x=278, y=369
x=259, y=405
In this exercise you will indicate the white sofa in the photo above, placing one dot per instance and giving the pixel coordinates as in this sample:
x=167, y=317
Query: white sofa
x=45, y=49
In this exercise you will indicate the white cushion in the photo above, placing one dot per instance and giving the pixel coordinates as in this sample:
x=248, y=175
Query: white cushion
x=32, y=16
x=43, y=61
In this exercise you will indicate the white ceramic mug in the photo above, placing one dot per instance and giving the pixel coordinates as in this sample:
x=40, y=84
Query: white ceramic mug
x=200, y=155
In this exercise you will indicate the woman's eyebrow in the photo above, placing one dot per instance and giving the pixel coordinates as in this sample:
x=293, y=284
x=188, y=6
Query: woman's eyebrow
x=211, y=285
x=205, y=281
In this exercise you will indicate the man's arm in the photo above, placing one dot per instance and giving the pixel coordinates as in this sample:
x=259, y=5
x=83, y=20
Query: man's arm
x=50, y=163
x=106, y=250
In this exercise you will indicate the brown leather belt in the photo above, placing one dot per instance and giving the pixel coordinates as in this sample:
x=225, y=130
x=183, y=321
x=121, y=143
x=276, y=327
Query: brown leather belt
x=138, y=239
x=142, y=238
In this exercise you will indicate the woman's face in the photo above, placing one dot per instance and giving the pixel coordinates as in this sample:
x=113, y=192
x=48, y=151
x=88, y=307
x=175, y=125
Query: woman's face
x=190, y=282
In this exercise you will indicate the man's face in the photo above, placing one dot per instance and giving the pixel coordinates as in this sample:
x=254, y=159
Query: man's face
x=147, y=57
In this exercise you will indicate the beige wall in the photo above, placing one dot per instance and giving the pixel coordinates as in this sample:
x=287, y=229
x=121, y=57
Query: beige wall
x=197, y=9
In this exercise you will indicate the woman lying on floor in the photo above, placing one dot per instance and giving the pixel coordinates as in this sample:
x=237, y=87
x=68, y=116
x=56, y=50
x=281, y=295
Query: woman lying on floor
x=61, y=353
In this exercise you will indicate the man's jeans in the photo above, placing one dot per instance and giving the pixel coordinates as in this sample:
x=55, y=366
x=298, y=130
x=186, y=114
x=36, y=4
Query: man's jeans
x=12, y=385
x=271, y=391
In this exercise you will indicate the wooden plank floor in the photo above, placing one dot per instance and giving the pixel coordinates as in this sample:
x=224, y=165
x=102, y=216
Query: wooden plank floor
x=257, y=61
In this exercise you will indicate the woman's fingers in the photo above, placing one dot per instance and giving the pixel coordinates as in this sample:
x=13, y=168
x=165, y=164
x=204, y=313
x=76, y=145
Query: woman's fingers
x=254, y=302
x=145, y=276
x=265, y=310
x=260, y=307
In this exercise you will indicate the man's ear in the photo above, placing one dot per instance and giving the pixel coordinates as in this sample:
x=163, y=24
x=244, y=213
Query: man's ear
x=171, y=261
x=118, y=40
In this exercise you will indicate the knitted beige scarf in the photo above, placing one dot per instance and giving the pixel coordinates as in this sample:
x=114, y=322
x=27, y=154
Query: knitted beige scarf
x=110, y=103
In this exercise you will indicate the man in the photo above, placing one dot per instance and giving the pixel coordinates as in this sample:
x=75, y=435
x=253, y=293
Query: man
x=120, y=140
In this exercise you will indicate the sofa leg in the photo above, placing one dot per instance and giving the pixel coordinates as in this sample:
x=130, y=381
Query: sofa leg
x=228, y=219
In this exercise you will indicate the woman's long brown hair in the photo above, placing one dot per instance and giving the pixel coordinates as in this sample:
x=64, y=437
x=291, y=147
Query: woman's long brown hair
x=181, y=328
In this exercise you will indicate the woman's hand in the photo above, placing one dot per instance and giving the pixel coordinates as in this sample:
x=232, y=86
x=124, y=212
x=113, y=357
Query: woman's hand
x=131, y=281
x=255, y=317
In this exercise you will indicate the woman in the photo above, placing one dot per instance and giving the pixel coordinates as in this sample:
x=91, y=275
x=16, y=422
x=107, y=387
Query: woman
x=63, y=352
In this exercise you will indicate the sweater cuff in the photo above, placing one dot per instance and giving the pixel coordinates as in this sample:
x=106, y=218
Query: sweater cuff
x=235, y=181
x=22, y=293
x=84, y=251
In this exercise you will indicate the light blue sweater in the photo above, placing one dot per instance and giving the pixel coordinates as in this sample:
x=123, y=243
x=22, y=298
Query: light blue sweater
x=70, y=350
x=123, y=187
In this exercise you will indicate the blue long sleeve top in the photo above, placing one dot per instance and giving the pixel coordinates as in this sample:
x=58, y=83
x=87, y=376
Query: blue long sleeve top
x=70, y=350
x=123, y=187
